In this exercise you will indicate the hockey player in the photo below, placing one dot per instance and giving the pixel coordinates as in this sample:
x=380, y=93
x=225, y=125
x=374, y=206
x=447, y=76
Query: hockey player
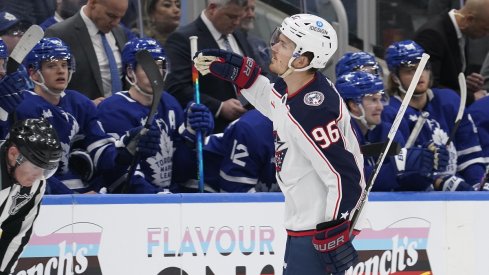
x=73, y=115
x=128, y=109
x=242, y=159
x=319, y=166
x=28, y=157
x=365, y=98
x=358, y=61
x=466, y=166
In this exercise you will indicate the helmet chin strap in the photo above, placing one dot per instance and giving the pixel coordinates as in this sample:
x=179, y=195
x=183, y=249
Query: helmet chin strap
x=401, y=88
x=291, y=69
x=362, y=119
x=135, y=84
x=45, y=88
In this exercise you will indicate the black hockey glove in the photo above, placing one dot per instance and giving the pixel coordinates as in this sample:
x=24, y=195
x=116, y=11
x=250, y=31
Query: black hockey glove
x=241, y=71
x=332, y=240
x=138, y=140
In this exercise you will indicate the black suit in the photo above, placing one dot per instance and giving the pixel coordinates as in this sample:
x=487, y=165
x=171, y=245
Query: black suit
x=87, y=78
x=439, y=39
x=213, y=91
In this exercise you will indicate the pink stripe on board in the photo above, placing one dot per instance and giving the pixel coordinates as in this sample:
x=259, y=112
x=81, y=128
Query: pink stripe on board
x=82, y=238
x=390, y=232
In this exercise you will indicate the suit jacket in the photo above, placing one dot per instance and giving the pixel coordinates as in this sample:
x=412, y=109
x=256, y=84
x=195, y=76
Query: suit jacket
x=87, y=78
x=439, y=39
x=213, y=91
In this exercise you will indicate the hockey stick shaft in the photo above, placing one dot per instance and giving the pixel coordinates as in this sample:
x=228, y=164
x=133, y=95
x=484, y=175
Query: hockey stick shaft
x=416, y=130
x=390, y=138
x=30, y=38
x=146, y=61
x=195, y=81
x=461, y=108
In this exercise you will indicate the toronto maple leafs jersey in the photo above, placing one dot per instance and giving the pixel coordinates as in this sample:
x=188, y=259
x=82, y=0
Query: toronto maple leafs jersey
x=479, y=112
x=319, y=166
x=465, y=151
x=242, y=157
x=19, y=207
x=120, y=113
x=74, y=118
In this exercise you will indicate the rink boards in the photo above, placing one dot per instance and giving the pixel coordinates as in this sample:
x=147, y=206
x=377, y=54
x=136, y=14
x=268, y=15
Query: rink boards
x=242, y=234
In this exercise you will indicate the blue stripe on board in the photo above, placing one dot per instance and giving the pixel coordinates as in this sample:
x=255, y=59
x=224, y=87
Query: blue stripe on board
x=249, y=198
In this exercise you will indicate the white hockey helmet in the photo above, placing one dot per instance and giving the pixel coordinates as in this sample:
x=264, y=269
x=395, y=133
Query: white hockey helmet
x=310, y=33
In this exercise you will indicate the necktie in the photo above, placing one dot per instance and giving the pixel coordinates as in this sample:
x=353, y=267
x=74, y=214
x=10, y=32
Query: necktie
x=114, y=72
x=227, y=45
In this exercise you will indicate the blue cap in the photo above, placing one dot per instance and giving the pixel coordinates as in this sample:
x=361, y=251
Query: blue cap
x=7, y=20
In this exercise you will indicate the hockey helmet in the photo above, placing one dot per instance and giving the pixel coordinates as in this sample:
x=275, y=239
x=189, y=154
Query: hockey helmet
x=37, y=142
x=138, y=44
x=310, y=33
x=357, y=61
x=403, y=53
x=355, y=85
x=47, y=49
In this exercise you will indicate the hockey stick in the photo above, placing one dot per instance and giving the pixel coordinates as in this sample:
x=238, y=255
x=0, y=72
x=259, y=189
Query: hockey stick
x=461, y=108
x=23, y=47
x=195, y=80
x=390, y=137
x=417, y=129
x=148, y=64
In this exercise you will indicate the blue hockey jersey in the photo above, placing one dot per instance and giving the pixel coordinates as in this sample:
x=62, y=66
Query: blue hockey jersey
x=242, y=157
x=173, y=163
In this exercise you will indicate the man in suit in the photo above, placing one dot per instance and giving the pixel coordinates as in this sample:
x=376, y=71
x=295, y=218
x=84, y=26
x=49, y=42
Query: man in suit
x=84, y=33
x=444, y=39
x=220, y=17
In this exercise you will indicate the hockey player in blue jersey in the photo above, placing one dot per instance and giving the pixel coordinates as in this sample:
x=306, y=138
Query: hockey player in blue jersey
x=364, y=95
x=73, y=115
x=466, y=165
x=319, y=166
x=242, y=159
x=127, y=109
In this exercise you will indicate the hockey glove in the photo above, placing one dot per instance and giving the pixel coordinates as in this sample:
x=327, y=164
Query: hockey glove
x=11, y=87
x=197, y=118
x=441, y=157
x=453, y=183
x=145, y=142
x=332, y=240
x=241, y=71
x=81, y=163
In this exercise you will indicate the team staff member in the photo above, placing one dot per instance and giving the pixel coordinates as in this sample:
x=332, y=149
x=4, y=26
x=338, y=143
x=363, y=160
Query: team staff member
x=28, y=157
x=319, y=166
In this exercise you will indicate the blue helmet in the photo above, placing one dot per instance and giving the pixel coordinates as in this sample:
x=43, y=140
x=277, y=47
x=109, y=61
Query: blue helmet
x=3, y=50
x=356, y=61
x=137, y=44
x=49, y=48
x=403, y=53
x=354, y=85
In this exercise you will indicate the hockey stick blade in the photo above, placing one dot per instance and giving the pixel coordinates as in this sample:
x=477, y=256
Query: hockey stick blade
x=461, y=108
x=30, y=38
x=375, y=149
x=148, y=64
x=390, y=138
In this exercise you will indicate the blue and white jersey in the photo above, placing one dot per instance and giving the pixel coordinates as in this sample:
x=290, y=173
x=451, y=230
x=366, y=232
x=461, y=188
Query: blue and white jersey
x=465, y=151
x=120, y=113
x=74, y=119
x=319, y=166
x=243, y=156
x=479, y=112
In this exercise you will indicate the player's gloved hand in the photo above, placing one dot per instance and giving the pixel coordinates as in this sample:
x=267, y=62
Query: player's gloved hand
x=242, y=71
x=332, y=240
x=197, y=117
x=415, y=160
x=441, y=156
x=452, y=183
x=80, y=162
x=145, y=142
x=11, y=91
